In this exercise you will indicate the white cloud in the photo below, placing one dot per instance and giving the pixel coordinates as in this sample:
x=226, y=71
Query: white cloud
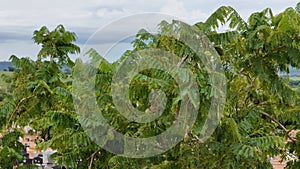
x=108, y=13
x=177, y=8
x=18, y=19
x=18, y=48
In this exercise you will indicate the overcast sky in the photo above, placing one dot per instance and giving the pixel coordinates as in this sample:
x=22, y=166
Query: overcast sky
x=18, y=19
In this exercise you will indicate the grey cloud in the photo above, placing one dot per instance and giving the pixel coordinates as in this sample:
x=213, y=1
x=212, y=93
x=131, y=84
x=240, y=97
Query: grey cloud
x=9, y=36
x=22, y=33
x=19, y=19
x=243, y=7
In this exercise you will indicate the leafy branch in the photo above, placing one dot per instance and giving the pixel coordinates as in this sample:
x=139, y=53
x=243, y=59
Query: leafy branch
x=92, y=158
x=19, y=106
x=280, y=125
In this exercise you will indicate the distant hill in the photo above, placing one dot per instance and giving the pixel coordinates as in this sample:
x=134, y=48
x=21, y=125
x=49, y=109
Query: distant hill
x=5, y=65
x=293, y=72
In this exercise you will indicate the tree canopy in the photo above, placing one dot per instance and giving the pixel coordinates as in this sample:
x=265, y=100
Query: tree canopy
x=56, y=44
x=260, y=112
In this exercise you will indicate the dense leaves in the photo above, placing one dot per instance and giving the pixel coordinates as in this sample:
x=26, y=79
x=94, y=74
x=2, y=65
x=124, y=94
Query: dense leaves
x=56, y=44
x=259, y=116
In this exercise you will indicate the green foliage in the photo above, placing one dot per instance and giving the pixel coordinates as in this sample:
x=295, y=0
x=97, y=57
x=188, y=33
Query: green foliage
x=260, y=111
x=258, y=98
x=11, y=149
x=260, y=102
x=42, y=99
x=56, y=44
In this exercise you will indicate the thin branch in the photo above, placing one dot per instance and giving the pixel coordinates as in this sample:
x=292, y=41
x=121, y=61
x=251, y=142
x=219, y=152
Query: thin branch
x=183, y=60
x=92, y=158
x=247, y=75
x=198, y=139
x=274, y=50
x=279, y=124
x=270, y=103
x=19, y=105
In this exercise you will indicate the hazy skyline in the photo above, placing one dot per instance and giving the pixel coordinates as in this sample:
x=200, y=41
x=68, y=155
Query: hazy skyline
x=18, y=19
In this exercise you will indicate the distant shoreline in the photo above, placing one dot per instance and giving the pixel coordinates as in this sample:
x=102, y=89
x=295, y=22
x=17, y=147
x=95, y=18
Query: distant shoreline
x=5, y=65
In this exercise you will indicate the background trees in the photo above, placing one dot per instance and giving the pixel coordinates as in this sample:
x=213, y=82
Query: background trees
x=41, y=92
x=260, y=112
x=56, y=44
